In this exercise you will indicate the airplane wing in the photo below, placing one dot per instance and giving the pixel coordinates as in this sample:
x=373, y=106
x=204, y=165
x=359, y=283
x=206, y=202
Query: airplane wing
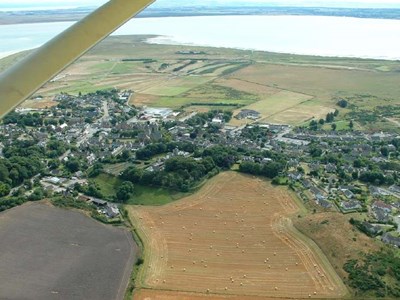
x=21, y=80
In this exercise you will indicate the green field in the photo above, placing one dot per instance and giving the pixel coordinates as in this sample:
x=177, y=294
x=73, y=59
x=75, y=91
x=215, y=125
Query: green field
x=143, y=195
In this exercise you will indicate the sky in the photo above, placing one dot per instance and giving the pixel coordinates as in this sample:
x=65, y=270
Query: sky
x=28, y=4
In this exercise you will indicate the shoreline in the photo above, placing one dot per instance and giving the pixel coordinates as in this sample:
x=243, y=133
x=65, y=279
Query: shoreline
x=325, y=41
x=25, y=15
x=164, y=40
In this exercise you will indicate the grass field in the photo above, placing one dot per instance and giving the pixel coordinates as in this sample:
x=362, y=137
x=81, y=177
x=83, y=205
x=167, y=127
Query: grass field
x=337, y=238
x=116, y=169
x=53, y=253
x=233, y=237
x=142, y=195
x=174, y=86
x=325, y=83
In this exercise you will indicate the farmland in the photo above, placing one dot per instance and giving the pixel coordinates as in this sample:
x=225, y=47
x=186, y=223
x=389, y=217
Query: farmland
x=233, y=237
x=40, y=259
x=285, y=88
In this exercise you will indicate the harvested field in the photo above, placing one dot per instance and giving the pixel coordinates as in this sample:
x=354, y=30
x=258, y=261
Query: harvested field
x=233, y=237
x=278, y=108
x=147, y=294
x=51, y=253
x=39, y=104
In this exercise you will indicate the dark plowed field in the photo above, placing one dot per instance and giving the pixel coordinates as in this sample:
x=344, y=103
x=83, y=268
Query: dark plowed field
x=51, y=253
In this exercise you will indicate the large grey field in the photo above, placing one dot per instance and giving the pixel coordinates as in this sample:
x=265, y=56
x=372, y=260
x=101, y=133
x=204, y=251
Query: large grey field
x=51, y=253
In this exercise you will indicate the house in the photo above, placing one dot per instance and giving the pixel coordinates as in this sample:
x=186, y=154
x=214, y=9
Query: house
x=387, y=238
x=374, y=191
x=324, y=203
x=395, y=189
x=349, y=194
x=295, y=176
x=318, y=194
x=350, y=205
x=381, y=215
x=111, y=210
x=382, y=205
x=97, y=202
x=218, y=122
x=372, y=230
x=247, y=114
x=346, y=187
x=306, y=183
x=330, y=168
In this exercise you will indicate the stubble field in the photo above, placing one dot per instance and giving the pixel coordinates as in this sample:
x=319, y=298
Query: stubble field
x=233, y=237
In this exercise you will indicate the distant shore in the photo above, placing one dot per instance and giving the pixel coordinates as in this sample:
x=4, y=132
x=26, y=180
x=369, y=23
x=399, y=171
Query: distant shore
x=75, y=14
x=314, y=35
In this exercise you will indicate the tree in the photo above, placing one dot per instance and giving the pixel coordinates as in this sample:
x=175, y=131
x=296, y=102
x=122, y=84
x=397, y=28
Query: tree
x=72, y=165
x=125, y=155
x=329, y=118
x=125, y=191
x=321, y=121
x=336, y=113
x=385, y=151
x=313, y=125
x=4, y=189
x=315, y=151
x=351, y=125
x=342, y=103
x=333, y=126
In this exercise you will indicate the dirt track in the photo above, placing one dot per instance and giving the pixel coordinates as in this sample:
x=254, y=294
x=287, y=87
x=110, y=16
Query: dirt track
x=233, y=237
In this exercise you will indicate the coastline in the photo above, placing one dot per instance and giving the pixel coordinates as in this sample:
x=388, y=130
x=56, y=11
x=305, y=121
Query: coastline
x=35, y=14
x=333, y=37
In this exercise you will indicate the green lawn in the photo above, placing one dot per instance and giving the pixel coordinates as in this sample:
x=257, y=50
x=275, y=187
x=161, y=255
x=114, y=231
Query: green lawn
x=143, y=195
x=340, y=125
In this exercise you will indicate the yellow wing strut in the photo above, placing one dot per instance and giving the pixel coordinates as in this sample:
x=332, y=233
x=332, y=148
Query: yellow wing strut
x=21, y=80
